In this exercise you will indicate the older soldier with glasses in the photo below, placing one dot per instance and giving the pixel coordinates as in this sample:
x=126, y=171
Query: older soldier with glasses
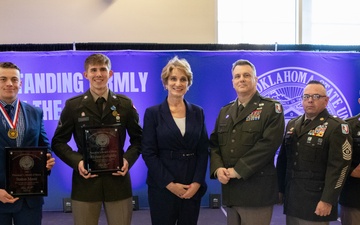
x=313, y=162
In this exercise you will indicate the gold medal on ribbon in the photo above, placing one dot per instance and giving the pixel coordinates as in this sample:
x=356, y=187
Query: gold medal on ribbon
x=115, y=113
x=12, y=133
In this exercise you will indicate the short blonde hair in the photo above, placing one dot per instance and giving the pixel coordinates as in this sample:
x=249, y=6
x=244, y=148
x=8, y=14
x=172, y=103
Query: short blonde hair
x=180, y=64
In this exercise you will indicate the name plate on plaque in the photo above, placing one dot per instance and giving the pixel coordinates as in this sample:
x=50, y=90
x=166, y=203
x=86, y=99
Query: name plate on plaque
x=103, y=149
x=26, y=173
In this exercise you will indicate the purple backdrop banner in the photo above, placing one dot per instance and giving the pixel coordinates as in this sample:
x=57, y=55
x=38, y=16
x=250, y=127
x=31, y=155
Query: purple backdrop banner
x=49, y=78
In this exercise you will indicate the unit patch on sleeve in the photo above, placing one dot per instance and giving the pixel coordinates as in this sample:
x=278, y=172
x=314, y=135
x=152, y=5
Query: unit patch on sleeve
x=278, y=108
x=345, y=128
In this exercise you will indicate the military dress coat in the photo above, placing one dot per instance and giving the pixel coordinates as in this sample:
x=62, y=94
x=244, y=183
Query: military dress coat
x=312, y=165
x=350, y=195
x=81, y=111
x=248, y=143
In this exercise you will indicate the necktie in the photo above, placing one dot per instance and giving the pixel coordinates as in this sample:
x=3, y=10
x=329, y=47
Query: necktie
x=305, y=123
x=10, y=111
x=240, y=108
x=100, y=104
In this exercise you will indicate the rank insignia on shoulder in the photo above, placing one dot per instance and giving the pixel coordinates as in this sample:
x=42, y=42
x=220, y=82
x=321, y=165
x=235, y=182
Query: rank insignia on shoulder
x=345, y=128
x=278, y=108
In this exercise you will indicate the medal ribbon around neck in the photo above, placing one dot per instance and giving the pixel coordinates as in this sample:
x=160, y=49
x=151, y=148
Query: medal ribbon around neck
x=12, y=123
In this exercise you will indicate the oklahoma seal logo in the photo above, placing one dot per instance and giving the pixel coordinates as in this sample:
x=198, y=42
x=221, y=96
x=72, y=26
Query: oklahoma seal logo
x=102, y=140
x=26, y=162
x=286, y=85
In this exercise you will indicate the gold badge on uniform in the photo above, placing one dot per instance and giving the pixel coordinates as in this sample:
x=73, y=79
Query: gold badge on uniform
x=291, y=131
x=114, y=112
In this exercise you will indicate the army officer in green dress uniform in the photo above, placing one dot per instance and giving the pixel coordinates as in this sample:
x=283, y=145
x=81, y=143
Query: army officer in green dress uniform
x=247, y=134
x=314, y=160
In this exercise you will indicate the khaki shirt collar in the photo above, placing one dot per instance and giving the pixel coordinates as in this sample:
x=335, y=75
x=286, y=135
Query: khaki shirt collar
x=95, y=96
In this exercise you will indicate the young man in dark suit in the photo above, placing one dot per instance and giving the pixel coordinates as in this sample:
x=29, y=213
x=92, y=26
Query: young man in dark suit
x=21, y=126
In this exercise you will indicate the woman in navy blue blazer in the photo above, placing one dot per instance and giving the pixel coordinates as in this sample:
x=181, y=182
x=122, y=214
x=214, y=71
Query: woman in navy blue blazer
x=175, y=150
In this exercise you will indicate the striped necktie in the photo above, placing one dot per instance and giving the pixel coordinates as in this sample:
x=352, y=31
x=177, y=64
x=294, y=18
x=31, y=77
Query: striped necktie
x=10, y=111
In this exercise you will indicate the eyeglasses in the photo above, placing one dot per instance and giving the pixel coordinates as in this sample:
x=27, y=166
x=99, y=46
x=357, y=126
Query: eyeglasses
x=314, y=96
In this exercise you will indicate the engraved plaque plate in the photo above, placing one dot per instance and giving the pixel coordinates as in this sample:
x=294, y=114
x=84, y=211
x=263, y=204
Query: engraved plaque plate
x=103, y=149
x=26, y=173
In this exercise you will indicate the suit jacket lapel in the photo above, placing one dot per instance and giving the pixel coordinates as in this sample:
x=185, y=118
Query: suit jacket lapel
x=26, y=113
x=190, y=124
x=169, y=120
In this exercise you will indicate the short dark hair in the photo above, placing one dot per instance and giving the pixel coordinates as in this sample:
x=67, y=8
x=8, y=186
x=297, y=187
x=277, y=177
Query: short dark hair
x=242, y=62
x=316, y=82
x=9, y=65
